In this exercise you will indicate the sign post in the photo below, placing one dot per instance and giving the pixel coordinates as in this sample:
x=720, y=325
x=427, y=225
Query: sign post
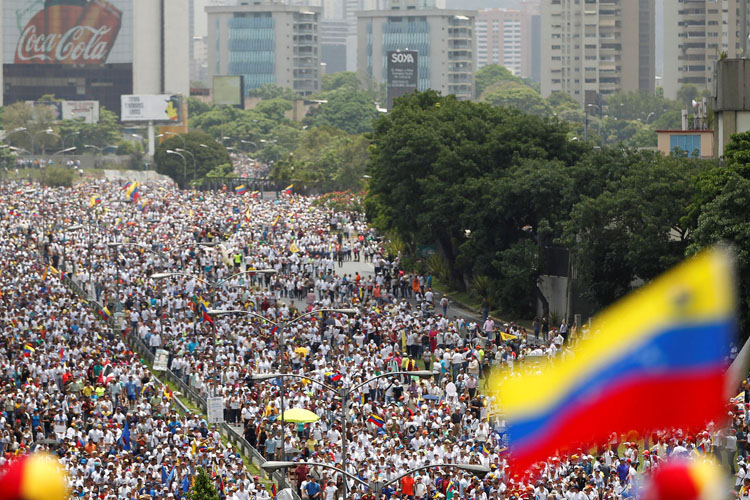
x=215, y=410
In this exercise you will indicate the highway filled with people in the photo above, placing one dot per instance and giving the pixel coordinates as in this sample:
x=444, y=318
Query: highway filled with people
x=239, y=287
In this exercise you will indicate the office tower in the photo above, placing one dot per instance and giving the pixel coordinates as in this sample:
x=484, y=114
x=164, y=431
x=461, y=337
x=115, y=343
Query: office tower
x=593, y=48
x=266, y=43
x=444, y=40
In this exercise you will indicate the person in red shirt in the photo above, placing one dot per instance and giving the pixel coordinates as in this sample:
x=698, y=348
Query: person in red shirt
x=407, y=487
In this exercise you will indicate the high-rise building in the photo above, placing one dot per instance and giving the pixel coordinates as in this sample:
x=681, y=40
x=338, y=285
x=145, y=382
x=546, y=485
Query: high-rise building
x=266, y=43
x=94, y=50
x=696, y=34
x=593, y=48
x=444, y=39
x=198, y=37
x=506, y=37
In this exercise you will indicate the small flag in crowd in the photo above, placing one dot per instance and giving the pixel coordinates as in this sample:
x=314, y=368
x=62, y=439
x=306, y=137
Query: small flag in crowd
x=27, y=350
x=204, y=308
x=132, y=191
x=255, y=194
x=661, y=342
x=275, y=223
x=105, y=312
x=241, y=189
x=118, y=224
x=376, y=420
x=288, y=189
x=95, y=200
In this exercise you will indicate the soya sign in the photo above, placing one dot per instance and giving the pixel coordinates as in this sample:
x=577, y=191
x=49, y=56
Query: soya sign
x=77, y=32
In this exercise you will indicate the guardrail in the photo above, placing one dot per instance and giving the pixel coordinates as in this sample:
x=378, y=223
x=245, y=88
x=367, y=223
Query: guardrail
x=138, y=346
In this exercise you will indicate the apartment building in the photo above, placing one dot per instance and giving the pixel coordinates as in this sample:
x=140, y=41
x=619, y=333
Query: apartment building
x=697, y=33
x=511, y=38
x=266, y=43
x=594, y=48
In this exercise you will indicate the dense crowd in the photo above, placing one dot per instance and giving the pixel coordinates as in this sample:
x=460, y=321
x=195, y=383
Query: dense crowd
x=71, y=384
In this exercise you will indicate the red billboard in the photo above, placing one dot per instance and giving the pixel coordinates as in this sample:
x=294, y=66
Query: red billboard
x=69, y=32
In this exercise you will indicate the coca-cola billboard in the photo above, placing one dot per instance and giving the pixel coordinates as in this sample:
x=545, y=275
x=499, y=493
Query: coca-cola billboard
x=71, y=32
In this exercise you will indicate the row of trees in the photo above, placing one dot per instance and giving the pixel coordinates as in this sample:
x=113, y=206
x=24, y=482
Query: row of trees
x=629, y=118
x=491, y=187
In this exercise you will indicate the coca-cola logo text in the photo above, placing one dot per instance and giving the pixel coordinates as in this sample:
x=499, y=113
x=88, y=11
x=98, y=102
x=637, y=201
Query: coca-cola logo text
x=77, y=45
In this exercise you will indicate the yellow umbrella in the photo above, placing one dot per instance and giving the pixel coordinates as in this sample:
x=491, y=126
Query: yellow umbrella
x=300, y=415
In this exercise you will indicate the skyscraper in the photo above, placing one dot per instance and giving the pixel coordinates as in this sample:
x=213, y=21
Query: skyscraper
x=506, y=37
x=444, y=40
x=696, y=34
x=266, y=43
x=593, y=48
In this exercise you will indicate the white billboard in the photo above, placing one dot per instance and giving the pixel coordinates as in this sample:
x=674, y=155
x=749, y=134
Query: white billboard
x=88, y=111
x=151, y=108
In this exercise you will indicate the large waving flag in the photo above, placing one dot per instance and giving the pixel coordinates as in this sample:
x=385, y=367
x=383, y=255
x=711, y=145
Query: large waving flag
x=651, y=349
x=240, y=189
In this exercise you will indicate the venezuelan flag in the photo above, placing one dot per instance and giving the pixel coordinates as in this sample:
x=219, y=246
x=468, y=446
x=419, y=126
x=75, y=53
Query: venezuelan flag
x=242, y=189
x=95, y=200
x=132, y=191
x=288, y=189
x=669, y=339
x=378, y=421
x=255, y=194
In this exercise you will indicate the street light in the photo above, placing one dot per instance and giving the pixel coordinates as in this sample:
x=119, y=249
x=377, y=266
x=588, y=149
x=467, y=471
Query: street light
x=192, y=156
x=343, y=393
x=213, y=285
x=184, y=163
x=586, y=122
x=174, y=134
x=377, y=486
x=63, y=151
x=68, y=137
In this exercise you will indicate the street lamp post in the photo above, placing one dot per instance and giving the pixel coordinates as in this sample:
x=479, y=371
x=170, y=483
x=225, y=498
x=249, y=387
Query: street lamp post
x=586, y=122
x=343, y=393
x=282, y=326
x=192, y=157
x=184, y=163
x=213, y=285
x=377, y=486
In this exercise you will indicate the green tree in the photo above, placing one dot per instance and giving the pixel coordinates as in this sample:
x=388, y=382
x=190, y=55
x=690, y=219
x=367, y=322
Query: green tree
x=274, y=109
x=25, y=123
x=563, y=101
x=719, y=211
x=520, y=97
x=273, y=91
x=327, y=158
x=493, y=74
x=440, y=167
x=635, y=228
x=203, y=488
x=181, y=171
x=345, y=79
x=352, y=111
x=637, y=105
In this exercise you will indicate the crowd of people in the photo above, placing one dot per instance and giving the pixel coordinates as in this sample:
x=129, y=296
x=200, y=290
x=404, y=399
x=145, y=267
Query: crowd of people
x=233, y=286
